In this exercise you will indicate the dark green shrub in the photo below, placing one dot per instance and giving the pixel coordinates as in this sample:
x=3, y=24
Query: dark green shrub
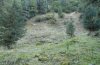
x=49, y=16
x=52, y=21
x=55, y=5
x=70, y=6
x=43, y=18
x=91, y=20
x=95, y=2
x=42, y=6
x=60, y=12
x=61, y=15
x=70, y=29
x=39, y=18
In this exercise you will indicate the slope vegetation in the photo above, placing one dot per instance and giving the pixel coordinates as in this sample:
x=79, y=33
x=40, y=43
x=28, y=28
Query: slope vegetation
x=76, y=51
x=51, y=33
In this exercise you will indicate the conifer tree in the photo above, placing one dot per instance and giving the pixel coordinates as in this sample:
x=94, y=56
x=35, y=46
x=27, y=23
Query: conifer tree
x=70, y=29
x=42, y=6
x=91, y=15
x=12, y=25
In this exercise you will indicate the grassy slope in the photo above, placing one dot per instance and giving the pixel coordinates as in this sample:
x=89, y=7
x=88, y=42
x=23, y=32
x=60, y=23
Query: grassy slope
x=45, y=32
x=76, y=51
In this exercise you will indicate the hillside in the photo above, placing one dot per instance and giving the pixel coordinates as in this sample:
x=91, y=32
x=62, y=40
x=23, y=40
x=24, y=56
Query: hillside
x=46, y=33
x=76, y=51
x=49, y=32
x=46, y=44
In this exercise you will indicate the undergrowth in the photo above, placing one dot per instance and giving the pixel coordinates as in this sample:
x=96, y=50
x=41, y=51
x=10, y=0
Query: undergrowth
x=75, y=51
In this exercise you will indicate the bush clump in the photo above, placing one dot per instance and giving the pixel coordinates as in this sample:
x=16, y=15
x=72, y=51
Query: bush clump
x=70, y=29
x=39, y=19
x=61, y=15
x=47, y=17
x=52, y=21
x=91, y=21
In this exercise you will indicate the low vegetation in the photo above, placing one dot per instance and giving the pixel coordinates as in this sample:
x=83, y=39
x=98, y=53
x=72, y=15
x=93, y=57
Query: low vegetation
x=75, y=51
x=48, y=16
